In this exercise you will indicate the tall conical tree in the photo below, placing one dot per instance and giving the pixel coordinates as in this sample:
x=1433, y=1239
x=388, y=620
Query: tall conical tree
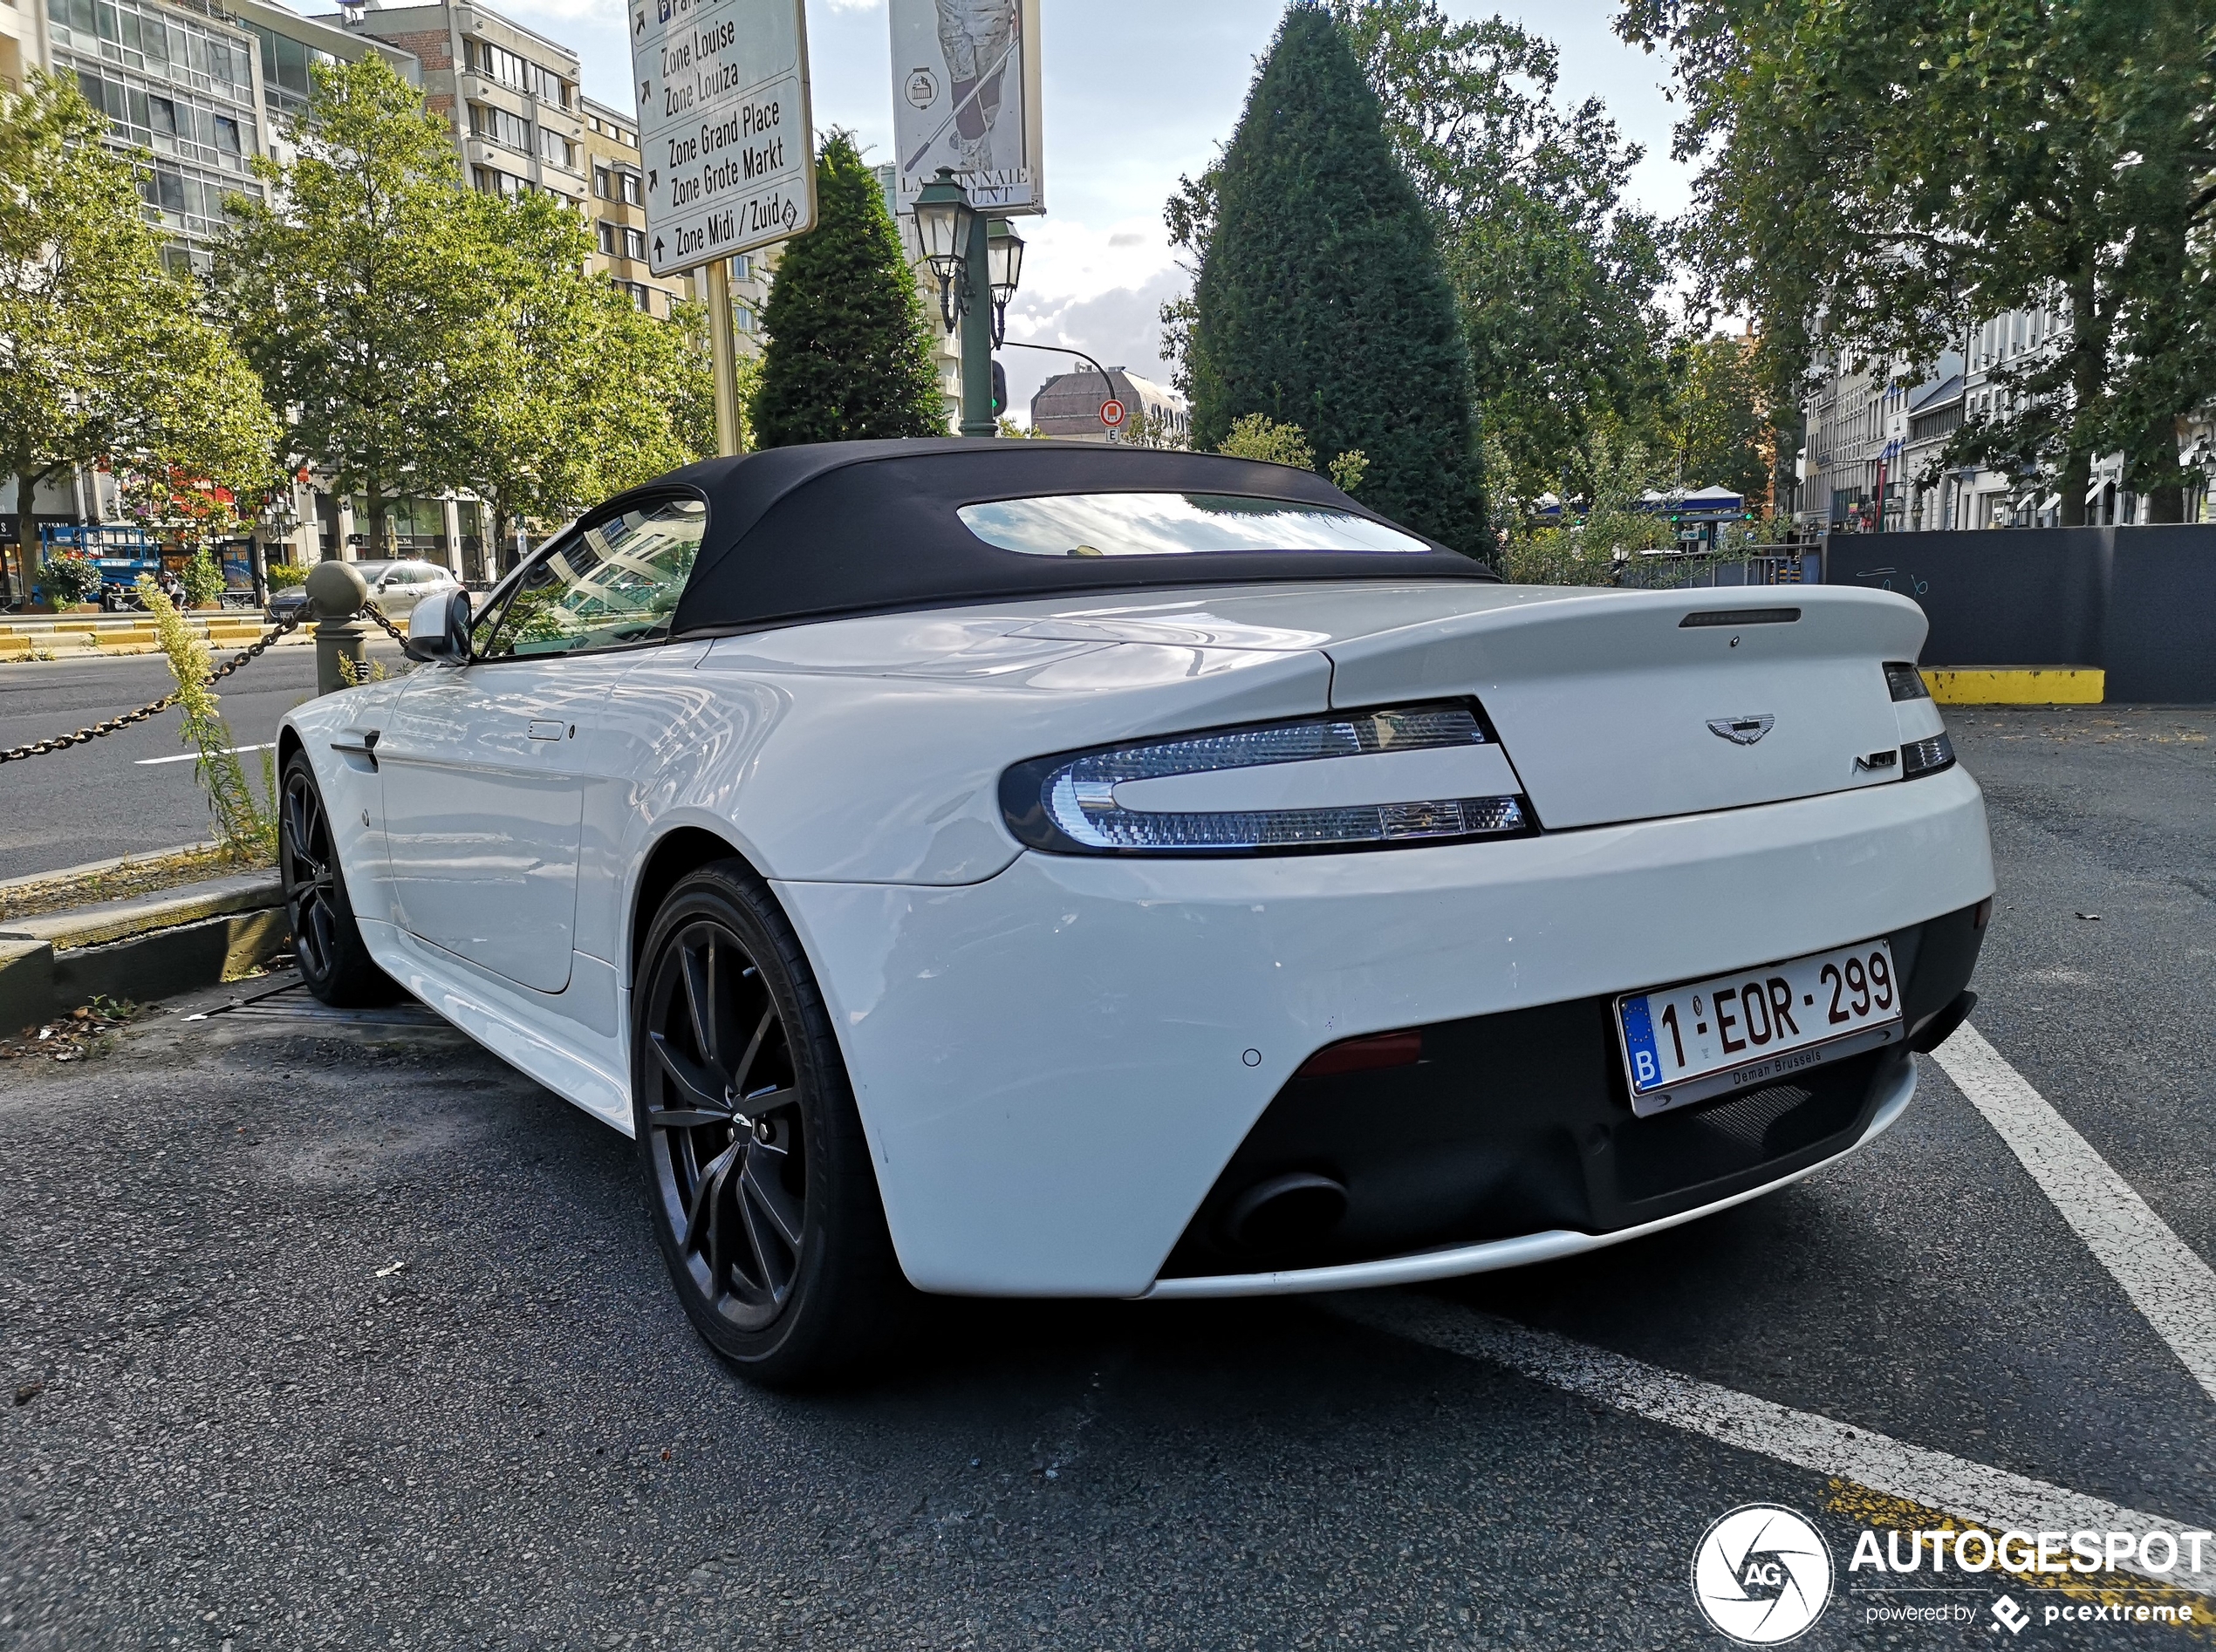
x=848, y=359
x=1321, y=301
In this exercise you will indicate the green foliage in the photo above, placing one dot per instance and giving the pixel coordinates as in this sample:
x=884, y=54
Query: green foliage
x=1258, y=436
x=1716, y=424
x=104, y=356
x=1880, y=177
x=1556, y=279
x=577, y=393
x=359, y=287
x=246, y=823
x=1321, y=301
x=284, y=576
x=1612, y=528
x=848, y=359
x=203, y=580
x=68, y=576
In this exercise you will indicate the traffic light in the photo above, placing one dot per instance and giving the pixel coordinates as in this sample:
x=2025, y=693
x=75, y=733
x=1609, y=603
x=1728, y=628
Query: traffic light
x=1000, y=389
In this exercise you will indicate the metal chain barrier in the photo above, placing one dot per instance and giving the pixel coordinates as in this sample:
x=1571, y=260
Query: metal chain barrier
x=82, y=736
x=391, y=629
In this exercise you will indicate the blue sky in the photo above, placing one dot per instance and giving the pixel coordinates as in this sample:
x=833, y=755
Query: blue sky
x=1136, y=91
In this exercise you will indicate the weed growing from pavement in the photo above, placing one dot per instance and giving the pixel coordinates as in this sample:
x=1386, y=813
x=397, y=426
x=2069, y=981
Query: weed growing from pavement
x=243, y=820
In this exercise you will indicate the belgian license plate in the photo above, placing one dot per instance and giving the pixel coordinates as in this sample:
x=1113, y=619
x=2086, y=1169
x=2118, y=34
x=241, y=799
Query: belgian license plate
x=1684, y=1044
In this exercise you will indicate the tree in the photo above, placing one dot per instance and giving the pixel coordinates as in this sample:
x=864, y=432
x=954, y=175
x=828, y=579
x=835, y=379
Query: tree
x=104, y=359
x=576, y=393
x=1321, y=301
x=359, y=289
x=1878, y=178
x=1716, y=425
x=1556, y=278
x=848, y=359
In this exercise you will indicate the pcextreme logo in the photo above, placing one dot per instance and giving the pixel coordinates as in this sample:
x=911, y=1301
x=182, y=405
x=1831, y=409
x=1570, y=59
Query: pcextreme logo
x=1761, y=1575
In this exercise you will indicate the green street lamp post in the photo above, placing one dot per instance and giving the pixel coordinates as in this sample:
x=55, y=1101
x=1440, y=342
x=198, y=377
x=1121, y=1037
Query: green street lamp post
x=976, y=263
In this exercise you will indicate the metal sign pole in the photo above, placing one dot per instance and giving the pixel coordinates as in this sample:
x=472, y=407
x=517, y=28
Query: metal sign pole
x=723, y=348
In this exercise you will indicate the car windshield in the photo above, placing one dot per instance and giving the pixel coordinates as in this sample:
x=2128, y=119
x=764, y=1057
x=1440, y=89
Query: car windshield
x=1175, y=524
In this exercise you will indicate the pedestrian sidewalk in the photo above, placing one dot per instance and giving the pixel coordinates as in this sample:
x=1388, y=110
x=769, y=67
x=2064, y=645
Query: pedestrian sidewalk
x=107, y=636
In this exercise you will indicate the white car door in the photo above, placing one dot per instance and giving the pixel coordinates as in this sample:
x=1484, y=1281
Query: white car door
x=485, y=766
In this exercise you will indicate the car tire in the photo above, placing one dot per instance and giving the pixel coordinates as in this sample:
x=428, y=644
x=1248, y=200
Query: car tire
x=757, y=1175
x=327, y=944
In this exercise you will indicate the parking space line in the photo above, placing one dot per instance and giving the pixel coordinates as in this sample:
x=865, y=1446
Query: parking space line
x=1987, y=1497
x=2166, y=1278
x=186, y=757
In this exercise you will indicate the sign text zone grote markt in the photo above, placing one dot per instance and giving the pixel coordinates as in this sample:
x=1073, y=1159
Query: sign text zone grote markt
x=723, y=126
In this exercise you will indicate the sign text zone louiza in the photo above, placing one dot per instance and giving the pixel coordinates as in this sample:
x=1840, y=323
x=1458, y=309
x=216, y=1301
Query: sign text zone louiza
x=723, y=126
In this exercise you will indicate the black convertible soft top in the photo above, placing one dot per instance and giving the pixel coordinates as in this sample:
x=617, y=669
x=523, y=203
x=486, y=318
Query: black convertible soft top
x=860, y=526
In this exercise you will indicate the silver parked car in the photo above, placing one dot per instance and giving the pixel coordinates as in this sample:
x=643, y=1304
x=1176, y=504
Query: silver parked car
x=395, y=587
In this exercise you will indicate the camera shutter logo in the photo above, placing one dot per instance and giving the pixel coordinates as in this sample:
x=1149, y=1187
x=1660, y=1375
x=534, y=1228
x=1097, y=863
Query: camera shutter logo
x=1762, y=1574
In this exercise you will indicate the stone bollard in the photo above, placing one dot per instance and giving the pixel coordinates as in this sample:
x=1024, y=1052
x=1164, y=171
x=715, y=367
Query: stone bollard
x=336, y=593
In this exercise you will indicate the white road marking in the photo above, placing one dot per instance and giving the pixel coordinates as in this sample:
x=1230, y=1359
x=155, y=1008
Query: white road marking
x=1991, y=1497
x=186, y=757
x=2166, y=1278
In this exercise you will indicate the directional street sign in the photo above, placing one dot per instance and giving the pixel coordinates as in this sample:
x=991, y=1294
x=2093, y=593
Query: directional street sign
x=724, y=126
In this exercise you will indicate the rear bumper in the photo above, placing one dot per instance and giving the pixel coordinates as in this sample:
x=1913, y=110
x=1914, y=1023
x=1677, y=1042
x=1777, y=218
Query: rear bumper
x=1056, y=1066
x=1490, y=1257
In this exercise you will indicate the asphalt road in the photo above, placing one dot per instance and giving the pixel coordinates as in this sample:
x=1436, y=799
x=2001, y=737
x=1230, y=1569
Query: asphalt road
x=91, y=802
x=255, y=1429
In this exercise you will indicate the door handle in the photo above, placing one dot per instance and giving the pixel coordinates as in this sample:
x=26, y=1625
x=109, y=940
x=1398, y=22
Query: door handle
x=541, y=730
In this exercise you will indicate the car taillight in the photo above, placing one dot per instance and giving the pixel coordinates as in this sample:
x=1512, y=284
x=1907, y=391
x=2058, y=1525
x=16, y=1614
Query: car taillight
x=1906, y=682
x=1068, y=804
x=1927, y=757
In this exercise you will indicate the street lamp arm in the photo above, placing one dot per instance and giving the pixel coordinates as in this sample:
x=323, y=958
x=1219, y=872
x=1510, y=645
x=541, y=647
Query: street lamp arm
x=1064, y=350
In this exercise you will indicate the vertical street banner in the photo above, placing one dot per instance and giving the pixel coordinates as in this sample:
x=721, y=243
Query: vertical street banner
x=966, y=95
x=725, y=131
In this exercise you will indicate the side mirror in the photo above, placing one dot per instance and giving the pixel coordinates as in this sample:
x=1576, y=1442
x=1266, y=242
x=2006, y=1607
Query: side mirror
x=438, y=631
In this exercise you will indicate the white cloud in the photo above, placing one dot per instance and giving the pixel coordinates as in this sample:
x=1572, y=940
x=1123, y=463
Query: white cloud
x=1064, y=259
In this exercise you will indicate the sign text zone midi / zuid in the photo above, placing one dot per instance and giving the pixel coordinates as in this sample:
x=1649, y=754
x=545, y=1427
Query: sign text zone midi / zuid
x=724, y=126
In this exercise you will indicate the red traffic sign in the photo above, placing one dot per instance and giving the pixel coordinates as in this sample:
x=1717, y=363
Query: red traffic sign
x=1112, y=413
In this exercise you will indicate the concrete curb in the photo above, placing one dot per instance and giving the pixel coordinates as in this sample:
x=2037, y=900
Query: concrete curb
x=2016, y=685
x=141, y=948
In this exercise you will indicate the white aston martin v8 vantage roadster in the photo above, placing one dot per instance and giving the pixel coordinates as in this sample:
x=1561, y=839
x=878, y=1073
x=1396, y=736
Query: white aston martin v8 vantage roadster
x=1045, y=869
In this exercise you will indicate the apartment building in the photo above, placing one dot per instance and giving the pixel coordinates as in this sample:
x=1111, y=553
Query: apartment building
x=512, y=97
x=1863, y=431
x=290, y=46
x=177, y=79
x=617, y=209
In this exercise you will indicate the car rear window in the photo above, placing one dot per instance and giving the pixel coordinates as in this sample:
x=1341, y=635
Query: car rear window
x=1171, y=524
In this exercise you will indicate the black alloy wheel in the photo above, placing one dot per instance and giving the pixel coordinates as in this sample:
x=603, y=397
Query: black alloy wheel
x=755, y=1171
x=729, y=1155
x=328, y=943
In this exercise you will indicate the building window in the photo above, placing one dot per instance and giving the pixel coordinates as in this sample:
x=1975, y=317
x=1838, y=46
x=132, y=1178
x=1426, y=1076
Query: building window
x=608, y=240
x=634, y=190
x=742, y=267
x=634, y=243
x=640, y=295
x=493, y=182
x=743, y=317
x=553, y=147
x=497, y=126
x=512, y=69
x=600, y=185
